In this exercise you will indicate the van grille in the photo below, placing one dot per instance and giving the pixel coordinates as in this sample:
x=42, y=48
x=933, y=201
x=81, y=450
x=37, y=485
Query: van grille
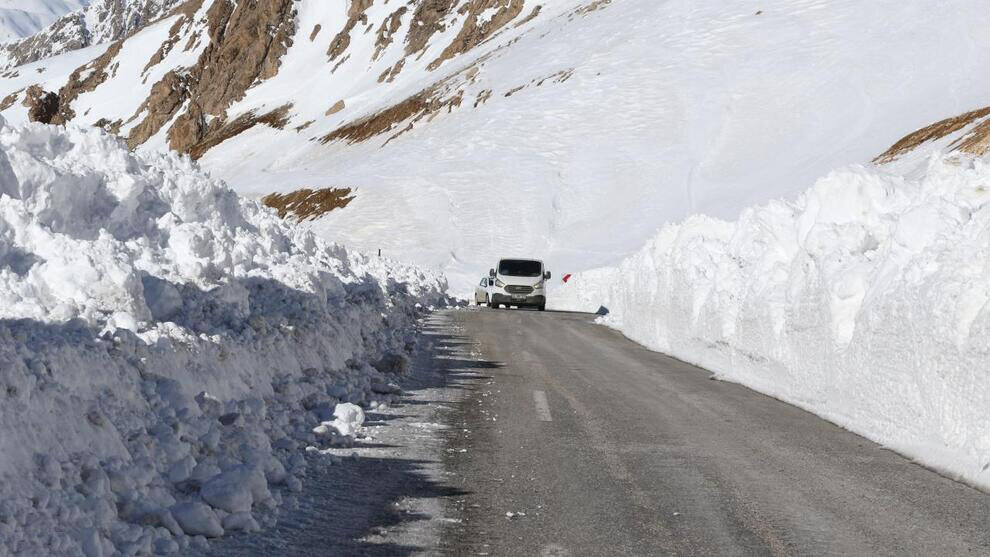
x=517, y=289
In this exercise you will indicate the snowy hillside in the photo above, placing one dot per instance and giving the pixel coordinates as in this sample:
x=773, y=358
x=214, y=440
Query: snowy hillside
x=167, y=349
x=23, y=18
x=569, y=130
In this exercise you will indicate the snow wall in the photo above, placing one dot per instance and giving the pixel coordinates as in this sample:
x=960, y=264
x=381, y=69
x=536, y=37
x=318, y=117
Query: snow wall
x=864, y=301
x=167, y=348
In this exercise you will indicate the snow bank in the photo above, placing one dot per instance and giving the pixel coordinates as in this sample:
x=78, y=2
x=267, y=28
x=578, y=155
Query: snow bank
x=864, y=301
x=166, y=347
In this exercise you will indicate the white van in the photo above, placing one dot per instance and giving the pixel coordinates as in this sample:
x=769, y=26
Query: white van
x=518, y=282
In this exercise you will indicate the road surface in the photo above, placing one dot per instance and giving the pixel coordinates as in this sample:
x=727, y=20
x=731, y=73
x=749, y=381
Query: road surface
x=597, y=446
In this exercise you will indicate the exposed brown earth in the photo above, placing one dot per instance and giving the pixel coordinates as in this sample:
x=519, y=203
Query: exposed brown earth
x=975, y=142
x=307, y=204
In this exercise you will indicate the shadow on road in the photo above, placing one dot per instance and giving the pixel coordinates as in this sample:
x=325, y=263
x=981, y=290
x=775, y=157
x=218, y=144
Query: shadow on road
x=374, y=505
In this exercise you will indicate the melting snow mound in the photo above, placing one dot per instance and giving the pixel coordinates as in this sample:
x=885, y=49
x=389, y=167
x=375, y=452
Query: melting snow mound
x=865, y=301
x=166, y=347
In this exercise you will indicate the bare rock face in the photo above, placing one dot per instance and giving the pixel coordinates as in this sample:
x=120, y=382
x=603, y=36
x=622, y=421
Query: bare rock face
x=166, y=98
x=475, y=31
x=42, y=105
x=342, y=40
x=247, y=40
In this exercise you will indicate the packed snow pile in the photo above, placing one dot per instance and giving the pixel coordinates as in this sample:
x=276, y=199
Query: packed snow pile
x=166, y=348
x=864, y=301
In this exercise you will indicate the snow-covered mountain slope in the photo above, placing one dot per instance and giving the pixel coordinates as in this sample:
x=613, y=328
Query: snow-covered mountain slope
x=23, y=18
x=569, y=129
x=167, y=348
x=100, y=22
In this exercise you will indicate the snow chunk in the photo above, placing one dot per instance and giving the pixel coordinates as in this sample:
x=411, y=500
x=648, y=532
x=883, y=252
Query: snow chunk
x=197, y=519
x=348, y=420
x=236, y=489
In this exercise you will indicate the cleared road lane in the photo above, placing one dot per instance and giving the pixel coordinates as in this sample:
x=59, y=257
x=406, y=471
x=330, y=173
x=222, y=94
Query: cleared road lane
x=577, y=441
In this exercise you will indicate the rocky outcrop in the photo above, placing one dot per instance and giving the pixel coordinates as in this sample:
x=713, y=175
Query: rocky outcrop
x=42, y=105
x=167, y=97
x=355, y=15
x=102, y=21
x=84, y=79
x=427, y=21
x=241, y=43
x=475, y=29
x=387, y=30
x=246, y=43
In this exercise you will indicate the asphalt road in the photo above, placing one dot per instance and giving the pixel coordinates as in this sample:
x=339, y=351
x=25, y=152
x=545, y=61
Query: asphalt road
x=607, y=448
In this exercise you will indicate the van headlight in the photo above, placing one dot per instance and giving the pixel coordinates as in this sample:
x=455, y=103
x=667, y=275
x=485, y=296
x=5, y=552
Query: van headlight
x=499, y=283
x=538, y=286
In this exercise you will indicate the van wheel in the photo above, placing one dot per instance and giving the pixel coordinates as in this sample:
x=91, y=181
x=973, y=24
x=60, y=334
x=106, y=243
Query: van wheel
x=492, y=305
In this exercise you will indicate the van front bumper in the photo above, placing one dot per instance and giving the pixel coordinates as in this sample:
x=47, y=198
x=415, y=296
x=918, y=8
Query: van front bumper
x=519, y=300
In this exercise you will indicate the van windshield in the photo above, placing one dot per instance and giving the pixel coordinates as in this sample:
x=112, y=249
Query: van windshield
x=520, y=268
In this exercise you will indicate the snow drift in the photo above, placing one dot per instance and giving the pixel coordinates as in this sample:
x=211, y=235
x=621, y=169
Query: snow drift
x=166, y=348
x=863, y=301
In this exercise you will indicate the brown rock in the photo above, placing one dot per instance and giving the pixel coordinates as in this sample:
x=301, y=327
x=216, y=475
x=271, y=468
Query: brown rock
x=337, y=107
x=342, y=40
x=474, y=31
x=42, y=105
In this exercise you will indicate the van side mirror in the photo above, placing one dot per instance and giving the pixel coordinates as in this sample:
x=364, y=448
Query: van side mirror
x=546, y=275
x=491, y=273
